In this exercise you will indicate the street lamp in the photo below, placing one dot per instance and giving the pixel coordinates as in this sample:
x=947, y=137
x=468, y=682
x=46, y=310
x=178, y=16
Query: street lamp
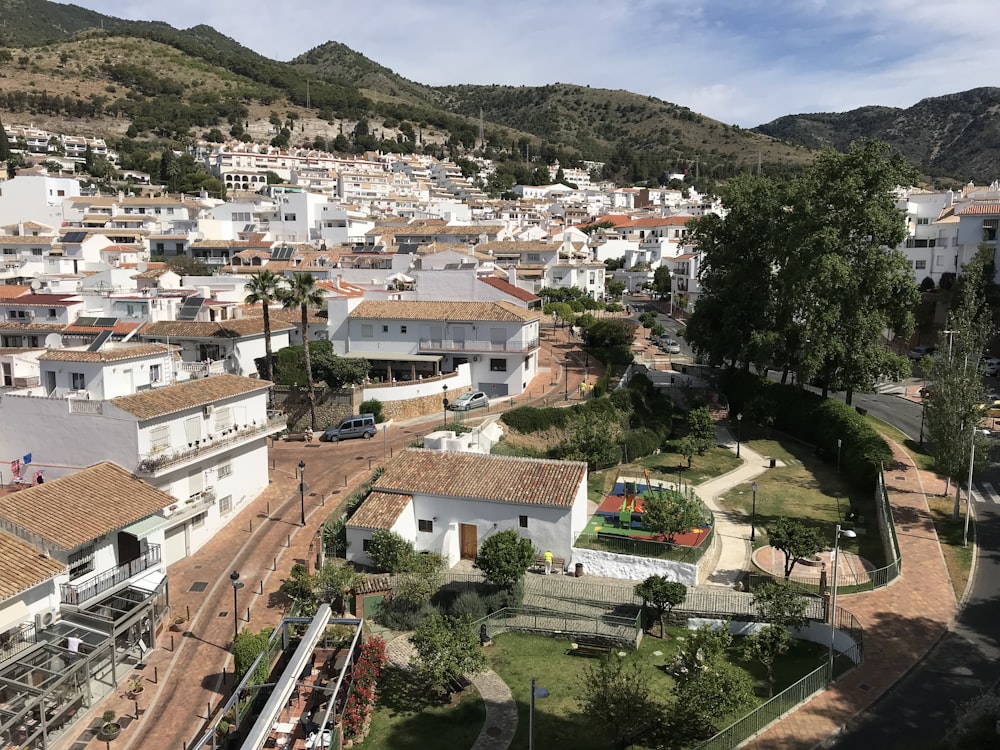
x=753, y=514
x=949, y=334
x=847, y=534
x=384, y=451
x=444, y=403
x=566, y=371
x=839, y=444
x=235, y=578
x=302, y=492
x=739, y=432
x=536, y=692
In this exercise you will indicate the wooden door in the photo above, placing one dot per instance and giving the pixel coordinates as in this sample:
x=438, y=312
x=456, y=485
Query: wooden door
x=468, y=541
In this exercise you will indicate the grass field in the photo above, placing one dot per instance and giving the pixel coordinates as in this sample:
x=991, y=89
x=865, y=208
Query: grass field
x=667, y=466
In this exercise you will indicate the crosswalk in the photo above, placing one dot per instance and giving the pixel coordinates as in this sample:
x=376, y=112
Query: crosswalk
x=984, y=492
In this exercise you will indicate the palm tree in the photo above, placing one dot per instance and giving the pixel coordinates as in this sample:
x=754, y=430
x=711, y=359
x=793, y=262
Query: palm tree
x=301, y=292
x=264, y=289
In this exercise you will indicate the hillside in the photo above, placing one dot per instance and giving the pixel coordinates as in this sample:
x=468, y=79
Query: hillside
x=957, y=134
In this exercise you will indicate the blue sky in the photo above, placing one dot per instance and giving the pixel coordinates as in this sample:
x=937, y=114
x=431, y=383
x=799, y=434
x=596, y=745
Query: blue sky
x=739, y=61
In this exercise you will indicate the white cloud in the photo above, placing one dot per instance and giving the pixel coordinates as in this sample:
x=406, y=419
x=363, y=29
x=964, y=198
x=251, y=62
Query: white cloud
x=740, y=61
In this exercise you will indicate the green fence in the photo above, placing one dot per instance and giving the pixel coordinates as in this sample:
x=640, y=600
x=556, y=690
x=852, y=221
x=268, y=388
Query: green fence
x=625, y=545
x=626, y=631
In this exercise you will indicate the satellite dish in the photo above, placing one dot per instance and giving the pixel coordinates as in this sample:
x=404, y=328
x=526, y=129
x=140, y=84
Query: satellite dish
x=36, y=285
x=53, y=341
x=141, y=267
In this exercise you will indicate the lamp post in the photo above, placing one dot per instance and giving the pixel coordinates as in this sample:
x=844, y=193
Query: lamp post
x=739, y=432
x=839, y=444
x=848, y=534
x=302, y=492
x=536, y=692
x=949, y=334
x=444, y=403
x=235, y=578
x=753, y=514
x=384, y=451
x=968, y=489
x=566, y=371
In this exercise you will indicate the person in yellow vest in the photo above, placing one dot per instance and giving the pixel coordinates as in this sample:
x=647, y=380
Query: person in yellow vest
x=548, y=561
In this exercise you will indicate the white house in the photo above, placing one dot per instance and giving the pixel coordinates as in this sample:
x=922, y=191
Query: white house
x=498, y=340
x=224, y=346
x=450, y=502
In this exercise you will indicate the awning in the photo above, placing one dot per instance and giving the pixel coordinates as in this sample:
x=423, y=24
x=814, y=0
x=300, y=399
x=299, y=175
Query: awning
x=149, y=582
x=393, y=356
x=13, y=613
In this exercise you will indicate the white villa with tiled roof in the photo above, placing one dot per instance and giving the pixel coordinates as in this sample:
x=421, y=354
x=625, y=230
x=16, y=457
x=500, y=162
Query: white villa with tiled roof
x=202, y=441
x=497, y=340
x=450, y=502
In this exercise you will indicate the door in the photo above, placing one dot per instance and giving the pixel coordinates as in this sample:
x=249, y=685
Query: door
x=175, y=544
x=468, y=541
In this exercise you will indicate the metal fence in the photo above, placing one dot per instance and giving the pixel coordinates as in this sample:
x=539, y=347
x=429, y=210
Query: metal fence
x=625, y=545
x=626, y=631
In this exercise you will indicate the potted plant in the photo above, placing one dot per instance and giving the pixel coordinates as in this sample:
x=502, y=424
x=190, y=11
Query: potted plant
x=178, y=624
x=109, y=727
x=136, y=684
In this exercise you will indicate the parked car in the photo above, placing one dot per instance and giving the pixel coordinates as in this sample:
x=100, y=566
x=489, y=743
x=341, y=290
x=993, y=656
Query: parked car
x=669, y=346
x=919, y=352
x=470, y=400
x=991, y=366
x=355, y=426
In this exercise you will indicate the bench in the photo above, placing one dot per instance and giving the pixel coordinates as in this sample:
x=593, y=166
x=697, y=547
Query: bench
x=558, y=564
x=591, y=647
x=302, y=437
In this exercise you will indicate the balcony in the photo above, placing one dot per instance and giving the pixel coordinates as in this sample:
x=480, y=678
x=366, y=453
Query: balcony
x=464, y=345
x=76, y=593
x=156, y=463
x=204, y=369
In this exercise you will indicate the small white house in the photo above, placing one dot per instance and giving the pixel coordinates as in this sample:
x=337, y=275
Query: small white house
x=450, y=502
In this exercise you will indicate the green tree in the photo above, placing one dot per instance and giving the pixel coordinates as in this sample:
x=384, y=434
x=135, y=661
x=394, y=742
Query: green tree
x=505, y=557
x=560, y=311
x=421, y=579
x=333, y=581
x=610, y=334
x=662, y=594
x=796, y=540
x=614, y=288
x=701, y=428
x=766, y=645
x=593, y=438
x=185, y=265
x=620, y=693
x=390, y=552
x=779, y=603
x=263, y=289
x=300, y=588
x=671, y=513
x=301, y=292
x=662, y=282
x=4, y=145
x=446, y=648
x=688, y=447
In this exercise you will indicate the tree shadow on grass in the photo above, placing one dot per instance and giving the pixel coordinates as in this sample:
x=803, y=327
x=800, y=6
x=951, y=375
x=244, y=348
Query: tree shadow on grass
x=402, y=694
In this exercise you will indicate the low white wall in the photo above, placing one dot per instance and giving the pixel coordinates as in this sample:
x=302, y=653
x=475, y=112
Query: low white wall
x=600, y=563
x=815, y=632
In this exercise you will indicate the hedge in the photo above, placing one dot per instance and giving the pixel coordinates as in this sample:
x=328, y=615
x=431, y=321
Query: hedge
x=815, y=420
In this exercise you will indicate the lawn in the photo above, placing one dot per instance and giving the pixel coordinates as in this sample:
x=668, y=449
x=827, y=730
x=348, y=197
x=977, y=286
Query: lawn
x=559, y=720
x=957, y=556
x=667, y=466
x=808, y=490
x=406, y=717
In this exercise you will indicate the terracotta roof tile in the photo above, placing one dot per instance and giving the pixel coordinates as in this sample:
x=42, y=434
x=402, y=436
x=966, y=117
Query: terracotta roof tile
x=174, y=398
x=526, y=481
x=380, y=510
x=23, y=566
x=225, y=329
x=474, y=311
x=9, y=291
x=507, y=288
x=42, y=300
x=82, y=506
x=109, y=354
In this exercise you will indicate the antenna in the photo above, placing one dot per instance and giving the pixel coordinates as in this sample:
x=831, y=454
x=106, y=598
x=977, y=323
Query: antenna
x=141, y=267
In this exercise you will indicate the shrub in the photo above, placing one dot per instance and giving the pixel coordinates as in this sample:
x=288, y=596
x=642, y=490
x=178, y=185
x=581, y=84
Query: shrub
x=372, y=406
x=529, y=419
x=390, y=552
x=468, y=604
x=505, y=557
x=498, y=598
x=402, y=614
x=246, y=648
x=641, y=442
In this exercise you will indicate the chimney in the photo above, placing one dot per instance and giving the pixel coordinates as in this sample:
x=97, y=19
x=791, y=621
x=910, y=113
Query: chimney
x=336, y=283
x=512, y=275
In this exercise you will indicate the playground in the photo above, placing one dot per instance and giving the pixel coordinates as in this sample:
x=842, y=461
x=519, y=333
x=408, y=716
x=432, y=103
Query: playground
x=620, y=514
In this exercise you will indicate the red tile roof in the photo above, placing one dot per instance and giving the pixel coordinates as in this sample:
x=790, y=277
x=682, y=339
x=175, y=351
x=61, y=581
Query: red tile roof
x=41, y=300
x=380, y=510
x=981, y=209
x=507, y=288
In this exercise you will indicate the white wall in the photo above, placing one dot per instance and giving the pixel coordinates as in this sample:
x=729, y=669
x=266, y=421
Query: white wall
x=631, y=568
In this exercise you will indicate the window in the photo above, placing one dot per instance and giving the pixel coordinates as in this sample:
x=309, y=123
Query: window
x=402, y=329
x=225, y=504
x=81, y=562
x=367, y=331
x=289, y=217
x=522, y=521
x=921, y=264
x=425, y=525
x=36, y=252
x=199, y=520
x=527, y=363
x=385, y=329
x=498, y=365
x=78, y=382
x=366, y=545
x=225, y=470
x=159, y=437
x=923, y=220
x=52, y=312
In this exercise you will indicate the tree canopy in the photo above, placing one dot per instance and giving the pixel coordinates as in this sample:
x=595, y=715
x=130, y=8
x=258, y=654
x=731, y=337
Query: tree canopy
x=796, y=540
x=505, y=557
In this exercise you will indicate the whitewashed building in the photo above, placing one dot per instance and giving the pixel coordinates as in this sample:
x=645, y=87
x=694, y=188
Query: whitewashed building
x=451, y=502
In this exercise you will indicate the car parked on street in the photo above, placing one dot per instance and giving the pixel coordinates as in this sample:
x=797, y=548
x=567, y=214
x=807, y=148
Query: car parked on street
x=470, y=400
x=669, y=346
x=356, y=426
x=917, y=353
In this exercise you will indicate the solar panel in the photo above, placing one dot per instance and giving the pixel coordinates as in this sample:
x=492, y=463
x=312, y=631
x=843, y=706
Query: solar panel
x=99, y=341
x=105, y=322
x=189, y=310
x=85, y=321
x=282, y=253
x=74, y=237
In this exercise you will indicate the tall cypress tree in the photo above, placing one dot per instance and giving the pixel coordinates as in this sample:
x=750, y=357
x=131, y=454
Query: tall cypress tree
x=4, y=150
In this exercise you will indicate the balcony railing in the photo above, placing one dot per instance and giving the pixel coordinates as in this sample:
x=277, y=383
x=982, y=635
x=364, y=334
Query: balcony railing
x=75, y=593
x=204, y=369
x=151, y=464
x=465, y=345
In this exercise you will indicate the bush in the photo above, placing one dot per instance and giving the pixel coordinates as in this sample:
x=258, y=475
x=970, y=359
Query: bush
x=402, y=614
x=246, y=648
x=641, y=442
x=468, y=604
x=505, y=557
x=372, y=406
x=498, y=598
x=390, y=552
x=529, y=419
